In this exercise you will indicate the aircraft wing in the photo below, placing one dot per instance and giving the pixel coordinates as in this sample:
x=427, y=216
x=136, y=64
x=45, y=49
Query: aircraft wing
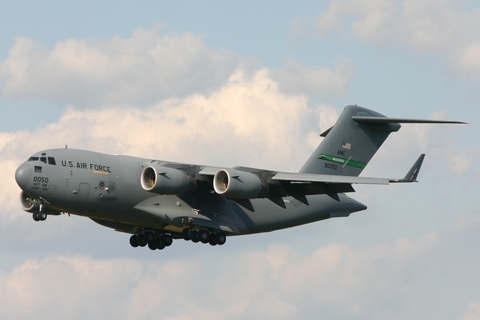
x=300, y=177
x=291, y=177
x=322, y=178
x=299, y=185
x=411, y=176
x=242, y=184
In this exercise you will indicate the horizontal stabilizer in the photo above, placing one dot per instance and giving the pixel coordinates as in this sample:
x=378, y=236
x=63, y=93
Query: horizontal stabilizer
x=382, y=120
x=412, y=174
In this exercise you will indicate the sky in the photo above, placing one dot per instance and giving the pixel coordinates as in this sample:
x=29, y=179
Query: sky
x=250, y=83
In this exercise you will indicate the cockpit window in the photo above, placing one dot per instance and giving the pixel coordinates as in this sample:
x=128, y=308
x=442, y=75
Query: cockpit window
x=44, y=159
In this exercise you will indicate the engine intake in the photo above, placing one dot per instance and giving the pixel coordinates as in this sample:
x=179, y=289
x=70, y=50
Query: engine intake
x=164, y=180
x=239, y=184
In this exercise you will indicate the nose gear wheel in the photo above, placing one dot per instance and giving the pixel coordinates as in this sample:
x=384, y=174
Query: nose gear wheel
x=39, y=216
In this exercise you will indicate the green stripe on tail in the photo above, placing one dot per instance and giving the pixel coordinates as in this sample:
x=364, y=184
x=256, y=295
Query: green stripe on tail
x=348, y=162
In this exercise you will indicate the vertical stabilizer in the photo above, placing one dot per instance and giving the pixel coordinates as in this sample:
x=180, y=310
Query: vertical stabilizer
x=350, y=144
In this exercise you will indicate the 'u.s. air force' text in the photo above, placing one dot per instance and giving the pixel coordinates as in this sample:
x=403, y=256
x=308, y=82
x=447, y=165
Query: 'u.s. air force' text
x=84, y=165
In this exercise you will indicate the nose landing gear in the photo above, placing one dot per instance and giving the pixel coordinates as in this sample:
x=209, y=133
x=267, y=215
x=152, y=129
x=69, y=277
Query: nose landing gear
x=39, y=215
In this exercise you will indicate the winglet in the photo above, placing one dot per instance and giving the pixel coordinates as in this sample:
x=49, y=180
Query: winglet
x=412, y=174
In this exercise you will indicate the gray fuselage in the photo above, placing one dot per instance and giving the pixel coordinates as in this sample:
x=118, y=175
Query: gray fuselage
x=107, y=189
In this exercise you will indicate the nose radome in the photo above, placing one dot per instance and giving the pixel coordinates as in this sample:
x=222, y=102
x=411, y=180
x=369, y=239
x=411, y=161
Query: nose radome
x=23, y=175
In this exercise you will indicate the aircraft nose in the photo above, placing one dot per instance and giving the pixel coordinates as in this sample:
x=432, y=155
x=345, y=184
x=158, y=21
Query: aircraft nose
x=23, y=175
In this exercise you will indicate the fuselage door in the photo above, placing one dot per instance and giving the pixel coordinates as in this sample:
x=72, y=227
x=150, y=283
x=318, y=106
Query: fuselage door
x=83, y=190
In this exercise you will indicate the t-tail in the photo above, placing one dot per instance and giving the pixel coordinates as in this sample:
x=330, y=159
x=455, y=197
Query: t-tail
x=349, y=145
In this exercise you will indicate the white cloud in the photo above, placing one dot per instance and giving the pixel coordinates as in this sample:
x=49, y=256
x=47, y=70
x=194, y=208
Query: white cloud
x=93, y=72
x=353, y=278
x=446, y=26
x=467, y=60
x=472, y=312
x=276, y=283
x=327, y=118
x=370, y=20
x=72, y=287
x=142, y=70
x=248, y=118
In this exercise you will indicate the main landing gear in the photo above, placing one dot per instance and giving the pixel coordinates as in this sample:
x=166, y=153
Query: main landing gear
x=158, y=241
x=204, y=236
x=154, y=241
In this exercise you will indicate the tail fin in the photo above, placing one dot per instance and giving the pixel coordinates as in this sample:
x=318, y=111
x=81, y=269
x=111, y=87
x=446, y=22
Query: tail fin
x=353, y=140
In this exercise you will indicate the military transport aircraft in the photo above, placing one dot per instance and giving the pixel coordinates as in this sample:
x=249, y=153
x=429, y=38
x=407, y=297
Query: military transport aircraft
x=157, y=201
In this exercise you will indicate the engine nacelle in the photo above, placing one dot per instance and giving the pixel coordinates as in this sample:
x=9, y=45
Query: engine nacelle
x=239, y=184
x=164, y=180
x=27, y=203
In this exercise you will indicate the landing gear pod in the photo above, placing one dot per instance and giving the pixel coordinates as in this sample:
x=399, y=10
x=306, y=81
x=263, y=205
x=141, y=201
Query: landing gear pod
x=239, y=184
x=164, y=180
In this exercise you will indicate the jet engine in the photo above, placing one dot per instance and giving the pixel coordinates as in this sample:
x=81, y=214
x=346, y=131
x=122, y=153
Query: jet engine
x=239, y=184
x=164, y=180
x=28, y=204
